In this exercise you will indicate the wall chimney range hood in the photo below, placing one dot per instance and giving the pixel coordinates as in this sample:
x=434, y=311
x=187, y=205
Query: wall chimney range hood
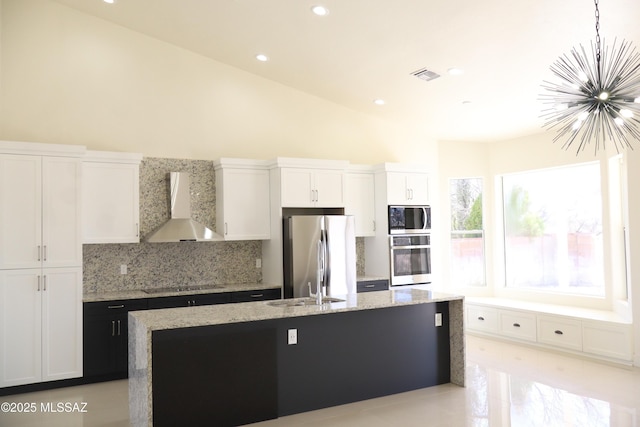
x=180, y=227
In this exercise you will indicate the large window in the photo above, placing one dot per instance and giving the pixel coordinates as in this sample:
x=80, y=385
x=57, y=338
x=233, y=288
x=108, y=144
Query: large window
x=553, y=230
x=467, y=232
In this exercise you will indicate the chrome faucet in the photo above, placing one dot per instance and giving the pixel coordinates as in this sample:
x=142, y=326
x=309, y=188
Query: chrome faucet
x=318, y=294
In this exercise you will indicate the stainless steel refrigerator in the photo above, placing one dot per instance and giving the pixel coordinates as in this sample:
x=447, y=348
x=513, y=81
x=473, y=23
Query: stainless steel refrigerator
x=319, y=248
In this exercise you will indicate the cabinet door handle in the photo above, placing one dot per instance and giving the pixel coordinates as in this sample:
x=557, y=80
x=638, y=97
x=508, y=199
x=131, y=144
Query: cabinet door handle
x=39, y=279
x=516, y=325
x=558, y=332
x=113, y=328
x=137, y=229
x=116, y=306
x=374, y=225
x=39, y=253
x=119, y=328
x=226, y=229
x=480, y=318
x=44, y=283
x=45, y=253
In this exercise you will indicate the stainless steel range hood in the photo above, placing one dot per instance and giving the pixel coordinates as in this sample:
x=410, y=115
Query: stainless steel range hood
x=180, y=227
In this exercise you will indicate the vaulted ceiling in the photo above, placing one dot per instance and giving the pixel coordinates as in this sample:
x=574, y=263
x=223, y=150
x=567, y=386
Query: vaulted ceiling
x=368, y=49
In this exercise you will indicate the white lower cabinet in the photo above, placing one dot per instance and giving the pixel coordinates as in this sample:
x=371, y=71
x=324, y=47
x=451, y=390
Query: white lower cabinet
x=482, y=318
x=518, y=325
x=40, y=325
x=608, y=340
x=560, y=332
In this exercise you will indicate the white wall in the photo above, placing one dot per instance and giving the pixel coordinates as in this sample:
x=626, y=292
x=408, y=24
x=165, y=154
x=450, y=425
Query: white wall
x=70, y=78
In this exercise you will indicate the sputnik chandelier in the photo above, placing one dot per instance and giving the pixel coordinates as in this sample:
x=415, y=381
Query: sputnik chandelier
x=595, y=98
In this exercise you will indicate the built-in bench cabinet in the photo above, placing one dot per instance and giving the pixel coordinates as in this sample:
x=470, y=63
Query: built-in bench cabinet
x=106, y=326
x=592, y=333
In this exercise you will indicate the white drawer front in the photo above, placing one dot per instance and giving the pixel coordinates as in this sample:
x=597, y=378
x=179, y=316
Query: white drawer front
x=561, y=332
x=482, y=318
x=517, y=324
x=607, y=340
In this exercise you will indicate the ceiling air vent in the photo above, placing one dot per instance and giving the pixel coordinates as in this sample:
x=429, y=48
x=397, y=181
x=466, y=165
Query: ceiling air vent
x=425, y=74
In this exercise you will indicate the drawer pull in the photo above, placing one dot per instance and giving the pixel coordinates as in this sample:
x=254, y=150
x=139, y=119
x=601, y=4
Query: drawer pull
x=480, y=318
x=558, y=332
x=516, y=325
x=257, y=295
x=369, y=286
x=116, y=306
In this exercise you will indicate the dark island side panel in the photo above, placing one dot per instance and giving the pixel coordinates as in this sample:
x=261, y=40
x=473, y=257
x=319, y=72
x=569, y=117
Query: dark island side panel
x=352, y=356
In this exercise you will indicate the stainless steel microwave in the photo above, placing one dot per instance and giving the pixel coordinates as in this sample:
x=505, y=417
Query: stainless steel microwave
x=409, y=219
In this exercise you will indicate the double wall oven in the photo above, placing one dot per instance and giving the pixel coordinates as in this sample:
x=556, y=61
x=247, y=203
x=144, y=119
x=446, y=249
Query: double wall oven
x=410, y=244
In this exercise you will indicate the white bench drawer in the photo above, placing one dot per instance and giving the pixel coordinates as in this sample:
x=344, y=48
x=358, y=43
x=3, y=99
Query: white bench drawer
x=517, y=324
x=482, y=318
x=560, y=332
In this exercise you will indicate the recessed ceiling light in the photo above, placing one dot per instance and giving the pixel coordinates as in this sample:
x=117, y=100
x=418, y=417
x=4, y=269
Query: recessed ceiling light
x=320, y=10
x=262, y=57
x=109, y=1
x=455, y=71
x=379, y=101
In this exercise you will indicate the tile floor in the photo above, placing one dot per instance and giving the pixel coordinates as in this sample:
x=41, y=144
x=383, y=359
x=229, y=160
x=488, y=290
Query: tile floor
x=507, y=385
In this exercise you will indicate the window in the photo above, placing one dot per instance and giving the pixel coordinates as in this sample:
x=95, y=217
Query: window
x=553, y=230
x=467, y=235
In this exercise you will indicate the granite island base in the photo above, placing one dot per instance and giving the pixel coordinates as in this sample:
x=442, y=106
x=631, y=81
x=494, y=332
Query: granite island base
x=218, y=366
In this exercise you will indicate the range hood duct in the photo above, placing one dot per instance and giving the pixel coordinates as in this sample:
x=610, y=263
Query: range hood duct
x=180, y=227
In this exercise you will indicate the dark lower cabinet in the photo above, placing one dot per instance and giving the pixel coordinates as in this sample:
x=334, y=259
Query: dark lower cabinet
x=261, y=295
x=105, y=333
x=373, y=285
x=189, y=300
x=106, y=338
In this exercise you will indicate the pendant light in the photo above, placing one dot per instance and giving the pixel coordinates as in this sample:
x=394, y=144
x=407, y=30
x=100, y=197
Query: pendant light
x=595, y=98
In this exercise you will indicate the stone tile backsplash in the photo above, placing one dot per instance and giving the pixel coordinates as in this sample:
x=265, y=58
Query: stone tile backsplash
x=151, y=265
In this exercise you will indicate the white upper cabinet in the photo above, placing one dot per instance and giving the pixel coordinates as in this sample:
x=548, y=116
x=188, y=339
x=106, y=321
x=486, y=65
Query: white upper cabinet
x=111, y=197
x=242, y=199
x=360, y=201
x=409, y=188
x=315, y=186
x=40, y=211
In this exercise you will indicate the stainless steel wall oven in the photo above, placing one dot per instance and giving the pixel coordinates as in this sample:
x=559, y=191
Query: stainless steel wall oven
x=410, y=259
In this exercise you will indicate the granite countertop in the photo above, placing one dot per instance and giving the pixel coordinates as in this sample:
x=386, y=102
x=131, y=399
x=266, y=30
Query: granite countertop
x=139, y=294
x=185, y=317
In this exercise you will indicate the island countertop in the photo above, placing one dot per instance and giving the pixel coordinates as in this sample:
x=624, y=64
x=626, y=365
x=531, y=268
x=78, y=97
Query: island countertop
x=186, y=317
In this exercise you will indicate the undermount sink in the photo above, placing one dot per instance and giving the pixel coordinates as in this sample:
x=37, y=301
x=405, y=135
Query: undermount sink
x=301, y=302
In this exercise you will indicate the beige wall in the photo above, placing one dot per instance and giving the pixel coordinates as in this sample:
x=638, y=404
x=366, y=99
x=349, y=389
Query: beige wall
x=73, y=79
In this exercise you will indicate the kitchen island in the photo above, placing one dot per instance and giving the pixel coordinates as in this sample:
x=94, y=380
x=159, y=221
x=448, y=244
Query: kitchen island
x=242, y=363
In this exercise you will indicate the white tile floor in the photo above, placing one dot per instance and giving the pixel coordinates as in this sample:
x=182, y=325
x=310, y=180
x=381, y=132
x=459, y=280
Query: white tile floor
x=507, y=385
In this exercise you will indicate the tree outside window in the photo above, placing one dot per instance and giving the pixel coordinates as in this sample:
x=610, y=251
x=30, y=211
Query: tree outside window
x=467, y=258
x=553, y=230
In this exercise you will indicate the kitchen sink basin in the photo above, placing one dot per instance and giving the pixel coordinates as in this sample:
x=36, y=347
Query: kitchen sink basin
x=301, y=302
